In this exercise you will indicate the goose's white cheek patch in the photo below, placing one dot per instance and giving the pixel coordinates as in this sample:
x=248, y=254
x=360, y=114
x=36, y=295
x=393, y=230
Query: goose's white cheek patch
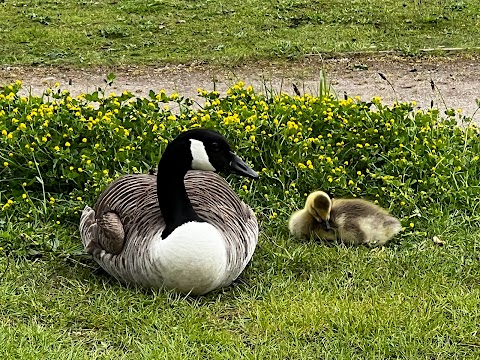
x=200, y=159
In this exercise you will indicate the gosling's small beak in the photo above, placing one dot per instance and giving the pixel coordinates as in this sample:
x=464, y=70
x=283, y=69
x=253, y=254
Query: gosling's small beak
x=327, y=225
x=239, y=167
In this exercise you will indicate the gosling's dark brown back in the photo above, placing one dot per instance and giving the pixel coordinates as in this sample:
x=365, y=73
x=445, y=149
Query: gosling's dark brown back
x=353, y=208
x=358, y=221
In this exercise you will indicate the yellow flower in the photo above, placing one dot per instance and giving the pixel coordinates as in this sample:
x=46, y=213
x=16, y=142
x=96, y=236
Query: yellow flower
x=412, y=224
x=79, y=198
x=7, y=204
x=56, y=148
x=67, y=144
x=24, y=196
x=4, y=132
x=5, y=164
x=279, y=161
x=350, y=182
x=274, y=215
x=71, y=168
x=80, y=170
x=359, y=173
x=22, y=126
x=84, y=140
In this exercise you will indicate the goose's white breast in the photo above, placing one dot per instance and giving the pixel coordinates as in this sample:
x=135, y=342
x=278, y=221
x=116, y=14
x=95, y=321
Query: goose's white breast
x=193, y=258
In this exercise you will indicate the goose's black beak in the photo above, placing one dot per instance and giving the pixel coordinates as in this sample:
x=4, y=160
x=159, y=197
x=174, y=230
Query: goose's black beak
x=239, y=167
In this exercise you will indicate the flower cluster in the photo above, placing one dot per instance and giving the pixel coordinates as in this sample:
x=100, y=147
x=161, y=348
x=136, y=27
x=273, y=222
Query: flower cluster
x=57, y=149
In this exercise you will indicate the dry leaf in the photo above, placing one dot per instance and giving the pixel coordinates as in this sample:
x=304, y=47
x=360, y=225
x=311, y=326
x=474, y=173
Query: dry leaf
x=438, y=241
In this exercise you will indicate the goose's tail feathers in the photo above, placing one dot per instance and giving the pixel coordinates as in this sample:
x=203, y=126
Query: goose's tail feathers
x=88, y=227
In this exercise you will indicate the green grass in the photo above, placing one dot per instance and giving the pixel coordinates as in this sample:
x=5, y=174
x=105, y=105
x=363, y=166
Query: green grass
x=147, y=32
x=412, y=299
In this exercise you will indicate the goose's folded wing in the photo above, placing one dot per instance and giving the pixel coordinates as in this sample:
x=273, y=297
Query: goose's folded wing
x=134, y=199
x=214, y=201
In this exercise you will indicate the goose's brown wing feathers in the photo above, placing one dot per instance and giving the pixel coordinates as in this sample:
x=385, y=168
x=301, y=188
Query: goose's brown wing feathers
x=129, y=205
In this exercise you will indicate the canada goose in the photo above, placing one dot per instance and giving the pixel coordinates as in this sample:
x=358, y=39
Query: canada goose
x=352, y=221
x=178, y=229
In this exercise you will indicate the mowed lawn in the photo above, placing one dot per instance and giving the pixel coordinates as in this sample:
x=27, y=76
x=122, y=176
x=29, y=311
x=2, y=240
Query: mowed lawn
x=225, y=32
x=412, y=300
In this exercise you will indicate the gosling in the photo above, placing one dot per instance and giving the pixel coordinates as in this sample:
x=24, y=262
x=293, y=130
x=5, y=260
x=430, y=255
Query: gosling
x=351, y=221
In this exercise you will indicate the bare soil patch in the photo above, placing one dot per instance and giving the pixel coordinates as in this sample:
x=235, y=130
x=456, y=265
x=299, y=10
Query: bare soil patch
x=456, y=81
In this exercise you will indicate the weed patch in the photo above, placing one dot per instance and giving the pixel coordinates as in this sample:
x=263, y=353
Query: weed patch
x=58, y=152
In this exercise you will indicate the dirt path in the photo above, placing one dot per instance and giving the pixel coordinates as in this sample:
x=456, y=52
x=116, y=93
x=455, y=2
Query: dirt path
x=456, y=81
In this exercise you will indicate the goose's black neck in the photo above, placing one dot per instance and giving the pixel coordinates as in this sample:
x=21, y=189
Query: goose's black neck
x=172, y=196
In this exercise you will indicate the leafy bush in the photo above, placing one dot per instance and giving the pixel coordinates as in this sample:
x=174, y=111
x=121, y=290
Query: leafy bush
x=57, y=152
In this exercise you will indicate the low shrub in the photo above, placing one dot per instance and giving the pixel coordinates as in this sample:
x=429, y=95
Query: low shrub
x=57, y=152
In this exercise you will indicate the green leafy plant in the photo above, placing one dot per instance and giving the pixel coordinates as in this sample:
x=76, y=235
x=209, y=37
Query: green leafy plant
x=57, y=152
